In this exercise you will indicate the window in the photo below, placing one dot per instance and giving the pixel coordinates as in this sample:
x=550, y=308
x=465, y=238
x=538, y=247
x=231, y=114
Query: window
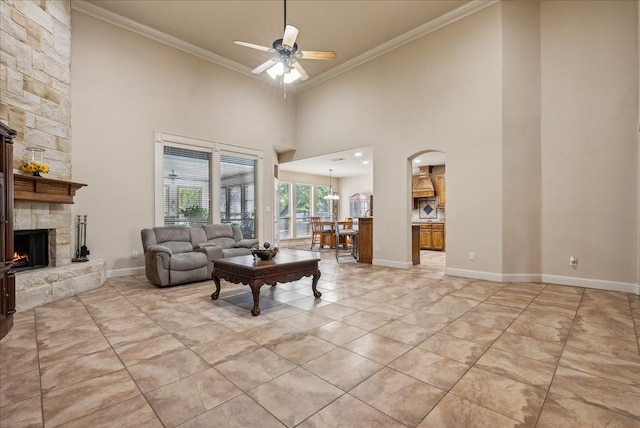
x=303, y=210
x=187, y=180
x=322, y=204
x=237, y=183
x=202, y=182
x=284, y=210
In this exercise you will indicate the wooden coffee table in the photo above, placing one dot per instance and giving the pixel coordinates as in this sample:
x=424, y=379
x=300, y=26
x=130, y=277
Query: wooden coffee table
x=255, y=273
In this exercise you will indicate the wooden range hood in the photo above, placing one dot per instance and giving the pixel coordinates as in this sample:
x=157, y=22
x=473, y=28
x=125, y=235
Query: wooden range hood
x=40, y=189
x=422, y=185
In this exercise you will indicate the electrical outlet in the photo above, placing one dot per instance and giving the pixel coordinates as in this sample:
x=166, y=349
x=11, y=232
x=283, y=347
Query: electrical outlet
x=472, y=256
x=573, y=261
x=134, y=254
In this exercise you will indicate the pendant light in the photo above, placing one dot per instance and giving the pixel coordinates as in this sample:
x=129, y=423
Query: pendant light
x=332, y=195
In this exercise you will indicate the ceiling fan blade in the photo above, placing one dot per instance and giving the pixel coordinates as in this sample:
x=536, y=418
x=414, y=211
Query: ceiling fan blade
x=290, y=35
x=303, y=74
x=252, y=45
x=265, y=65
x=317, y=54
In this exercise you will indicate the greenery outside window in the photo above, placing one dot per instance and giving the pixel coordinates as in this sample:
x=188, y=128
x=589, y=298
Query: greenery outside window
x=284, y=210
x=303, y=210
x=187, y=178
x=322, y=204
x=185, y=194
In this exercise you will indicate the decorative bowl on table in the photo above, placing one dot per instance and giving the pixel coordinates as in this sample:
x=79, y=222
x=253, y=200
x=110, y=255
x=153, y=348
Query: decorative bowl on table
x=265, y=253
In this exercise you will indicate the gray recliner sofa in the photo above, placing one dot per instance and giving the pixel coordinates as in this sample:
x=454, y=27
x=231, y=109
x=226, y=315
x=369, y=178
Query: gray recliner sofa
x=176, y=255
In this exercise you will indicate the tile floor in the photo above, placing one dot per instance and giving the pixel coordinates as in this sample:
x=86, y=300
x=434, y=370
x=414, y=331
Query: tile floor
x=382, y=348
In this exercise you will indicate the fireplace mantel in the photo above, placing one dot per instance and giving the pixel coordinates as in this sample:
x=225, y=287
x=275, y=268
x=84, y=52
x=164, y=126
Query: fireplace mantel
x=41, y=189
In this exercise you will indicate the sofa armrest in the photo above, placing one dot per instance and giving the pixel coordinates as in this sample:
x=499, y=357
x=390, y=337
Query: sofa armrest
x=159, y=249
x=247, y=243
x=212, y=251
x=200, y=247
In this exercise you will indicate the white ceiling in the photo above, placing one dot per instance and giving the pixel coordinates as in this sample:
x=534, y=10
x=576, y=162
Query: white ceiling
x=350, y=163
x=357, y=30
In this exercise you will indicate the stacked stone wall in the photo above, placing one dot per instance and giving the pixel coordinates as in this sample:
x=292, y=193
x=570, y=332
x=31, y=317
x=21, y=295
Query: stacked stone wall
x=35, y=79
x=35, y=100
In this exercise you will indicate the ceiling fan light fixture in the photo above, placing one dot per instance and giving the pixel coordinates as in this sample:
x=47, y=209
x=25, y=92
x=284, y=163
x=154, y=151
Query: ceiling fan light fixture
x=276, y=70
x=292, y=76
x=285, y=54
x=288, y=76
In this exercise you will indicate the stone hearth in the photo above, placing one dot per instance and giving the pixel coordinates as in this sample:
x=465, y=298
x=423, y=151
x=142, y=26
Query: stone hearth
x=62, y=278
x=41, y=286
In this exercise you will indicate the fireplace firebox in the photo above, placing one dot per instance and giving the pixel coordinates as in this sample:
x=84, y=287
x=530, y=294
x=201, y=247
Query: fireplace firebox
x=31, y=249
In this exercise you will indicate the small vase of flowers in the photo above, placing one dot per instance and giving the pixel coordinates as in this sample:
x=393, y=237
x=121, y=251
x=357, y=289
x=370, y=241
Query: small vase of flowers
x=35, y=162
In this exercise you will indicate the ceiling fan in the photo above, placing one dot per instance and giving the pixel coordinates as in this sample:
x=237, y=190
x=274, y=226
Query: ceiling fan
x=284, y=62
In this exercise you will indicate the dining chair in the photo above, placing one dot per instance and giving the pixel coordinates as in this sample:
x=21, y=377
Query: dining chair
x=347, y=237
x=319, y=236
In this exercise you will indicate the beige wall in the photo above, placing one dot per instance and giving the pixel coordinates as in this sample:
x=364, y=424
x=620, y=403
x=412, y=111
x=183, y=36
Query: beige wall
x=590, y=140
x=441, y=92
x=124, y=88
x=539, y=126
x=349, y=186
x=521, y=140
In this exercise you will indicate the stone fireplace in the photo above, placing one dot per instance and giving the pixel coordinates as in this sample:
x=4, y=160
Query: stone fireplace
x=35, y=100
x=61, y=278
x=30, y=249
x=56, y=218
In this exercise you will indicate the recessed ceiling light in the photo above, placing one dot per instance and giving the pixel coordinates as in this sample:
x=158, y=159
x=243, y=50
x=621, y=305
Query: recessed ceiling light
x=365, y=162
x=357, y=154
x=416, y=160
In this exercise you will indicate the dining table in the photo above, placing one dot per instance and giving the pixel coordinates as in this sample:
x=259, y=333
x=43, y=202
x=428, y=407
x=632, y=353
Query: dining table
x=330, y=225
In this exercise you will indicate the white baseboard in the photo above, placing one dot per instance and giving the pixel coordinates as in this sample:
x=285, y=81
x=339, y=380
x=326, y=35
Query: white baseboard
x=475, y=274
x=392, y=264
x=114, y=273
x=625, y=287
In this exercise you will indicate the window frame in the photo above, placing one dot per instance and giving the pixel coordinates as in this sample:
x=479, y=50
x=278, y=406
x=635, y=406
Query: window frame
x=217, y=149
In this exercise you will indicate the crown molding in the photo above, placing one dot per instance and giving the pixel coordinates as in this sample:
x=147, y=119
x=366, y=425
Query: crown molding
x=128, y=24
x=429, y=27
x=418, y=32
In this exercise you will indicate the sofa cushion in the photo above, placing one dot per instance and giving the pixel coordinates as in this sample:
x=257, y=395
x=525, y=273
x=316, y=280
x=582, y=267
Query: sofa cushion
x=198, y=236
x=178, y=247
x=213, y=231
x=188, y=261
x=231, y=252
x=172, y=233
x=223, y=242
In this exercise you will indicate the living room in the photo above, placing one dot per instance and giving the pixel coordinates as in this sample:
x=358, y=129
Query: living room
x=490, y=163
x=535, y=109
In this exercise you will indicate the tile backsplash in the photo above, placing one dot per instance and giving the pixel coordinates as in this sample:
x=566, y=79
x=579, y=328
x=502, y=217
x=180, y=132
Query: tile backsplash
x=427, y=211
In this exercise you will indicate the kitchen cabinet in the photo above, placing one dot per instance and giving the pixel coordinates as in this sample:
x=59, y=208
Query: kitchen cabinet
x=432, y=236
x=365, y=240
x=441, y=192
x=415, y=244
x=437, y=237
x=421, y=184
x=425, y=236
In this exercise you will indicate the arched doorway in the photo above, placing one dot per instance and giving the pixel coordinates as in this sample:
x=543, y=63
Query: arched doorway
x=428, y=204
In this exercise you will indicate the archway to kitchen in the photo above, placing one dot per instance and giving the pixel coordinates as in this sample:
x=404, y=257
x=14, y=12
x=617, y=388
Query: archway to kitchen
x=427, y=204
